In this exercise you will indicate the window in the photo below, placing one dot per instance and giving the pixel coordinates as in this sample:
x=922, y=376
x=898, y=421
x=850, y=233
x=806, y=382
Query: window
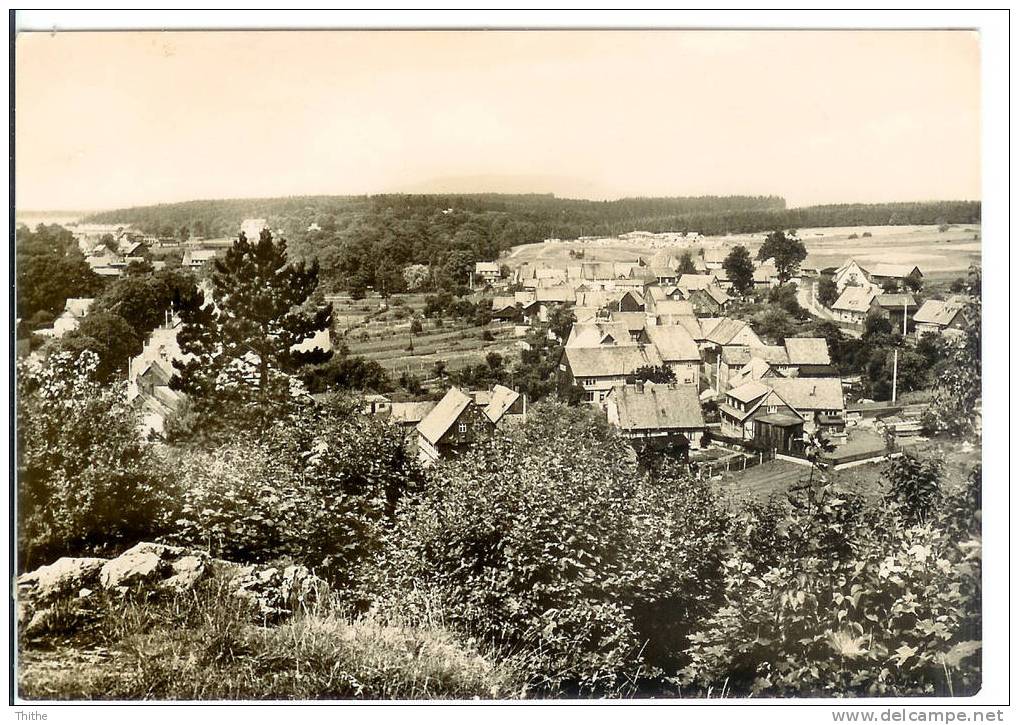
x=589, y=396
x=462, y=427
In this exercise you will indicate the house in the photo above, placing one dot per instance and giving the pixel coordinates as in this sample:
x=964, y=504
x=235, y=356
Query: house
x=197, y=258
x=454, y=423
x=688, y=282
x=598, y=299
x=766, y=276
x=505, y=308
x=75, y=309
x=150, y=393
x=632, y=301
x=853, y=305
x=559, y=294
x=505, y=406
x=819, y=400
x=376, y=404
x=897, y=308
x=658, y=416
x=938, y=317
x=662, y=275
x=597, y=369
x=807, y=351
x=603, y=333
x=598, y=271
x=850, y=274
x=727, y=331
x=756, y=412
x=674, y=308
x=904, y=275
x=486, y=273
x=406, y=415
x=708, y=301
x=797, y=357
x=677, y=349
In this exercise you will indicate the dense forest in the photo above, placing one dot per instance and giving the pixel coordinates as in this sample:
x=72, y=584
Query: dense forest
x=368, y=241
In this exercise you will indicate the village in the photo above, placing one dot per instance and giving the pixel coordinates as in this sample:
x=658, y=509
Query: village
x=656, y=345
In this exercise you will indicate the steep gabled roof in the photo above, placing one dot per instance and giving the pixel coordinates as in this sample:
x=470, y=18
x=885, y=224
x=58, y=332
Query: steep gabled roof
x=724, y=331
x=674, y=307
x=559, y=293
x=503, y=302
x=674, y=343
x=502, y=400
x=696, y=281
x=810, y=393
x=854, y=299
x=435, y=425
x=657, y=407
x=899, y=271
x=765, y=273
x=749, y=391
x=633, y=320
x=693, y=325
x=937, y=312
x=894, y=301
x=593, y=334
x=402, y=413
x=807, y=351
x=593, y=362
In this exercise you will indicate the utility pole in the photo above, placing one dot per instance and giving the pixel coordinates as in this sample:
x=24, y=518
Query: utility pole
x=905, y=314
x=895, y=373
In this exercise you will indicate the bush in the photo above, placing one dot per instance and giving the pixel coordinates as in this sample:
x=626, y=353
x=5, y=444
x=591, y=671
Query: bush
x=87, y=482
x=318, y=488
x=547, y=541
x=838, y=598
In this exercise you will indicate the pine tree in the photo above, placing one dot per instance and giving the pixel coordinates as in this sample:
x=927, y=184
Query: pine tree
x=258, y=312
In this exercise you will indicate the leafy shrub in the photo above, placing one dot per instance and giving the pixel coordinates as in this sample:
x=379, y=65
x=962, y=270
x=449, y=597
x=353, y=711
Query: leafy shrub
x=547, y=541
x=87, y=482
x=844, y=600
x=318, y=488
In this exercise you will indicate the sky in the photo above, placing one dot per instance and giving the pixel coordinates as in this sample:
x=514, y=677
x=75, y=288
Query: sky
x=114, y=119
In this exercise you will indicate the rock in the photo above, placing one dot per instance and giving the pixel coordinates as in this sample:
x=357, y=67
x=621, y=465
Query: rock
x=188, y=570
x=277, y=594
x=131, y=568
x=57, y=580
x=170, y=567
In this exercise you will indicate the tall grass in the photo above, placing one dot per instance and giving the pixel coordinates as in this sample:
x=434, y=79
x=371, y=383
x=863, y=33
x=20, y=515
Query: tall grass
x=204, y=645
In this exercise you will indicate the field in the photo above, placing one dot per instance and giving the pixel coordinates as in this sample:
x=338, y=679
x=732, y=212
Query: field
x=384, y=336
x=938, y=254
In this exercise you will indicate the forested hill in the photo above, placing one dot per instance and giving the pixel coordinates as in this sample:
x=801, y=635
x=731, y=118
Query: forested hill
x=368, y=240
x=543, y=214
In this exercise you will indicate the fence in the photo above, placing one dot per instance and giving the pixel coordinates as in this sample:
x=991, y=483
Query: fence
x=736, y=462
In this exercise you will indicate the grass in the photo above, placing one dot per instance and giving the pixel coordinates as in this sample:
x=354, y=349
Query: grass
x=204, y=645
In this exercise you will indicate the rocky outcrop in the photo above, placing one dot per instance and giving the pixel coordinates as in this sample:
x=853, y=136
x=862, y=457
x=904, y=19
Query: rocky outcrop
x=152, y=568
x=278, y=593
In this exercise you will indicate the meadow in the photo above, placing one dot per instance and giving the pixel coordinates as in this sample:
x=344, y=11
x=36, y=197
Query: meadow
x=939, y=254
